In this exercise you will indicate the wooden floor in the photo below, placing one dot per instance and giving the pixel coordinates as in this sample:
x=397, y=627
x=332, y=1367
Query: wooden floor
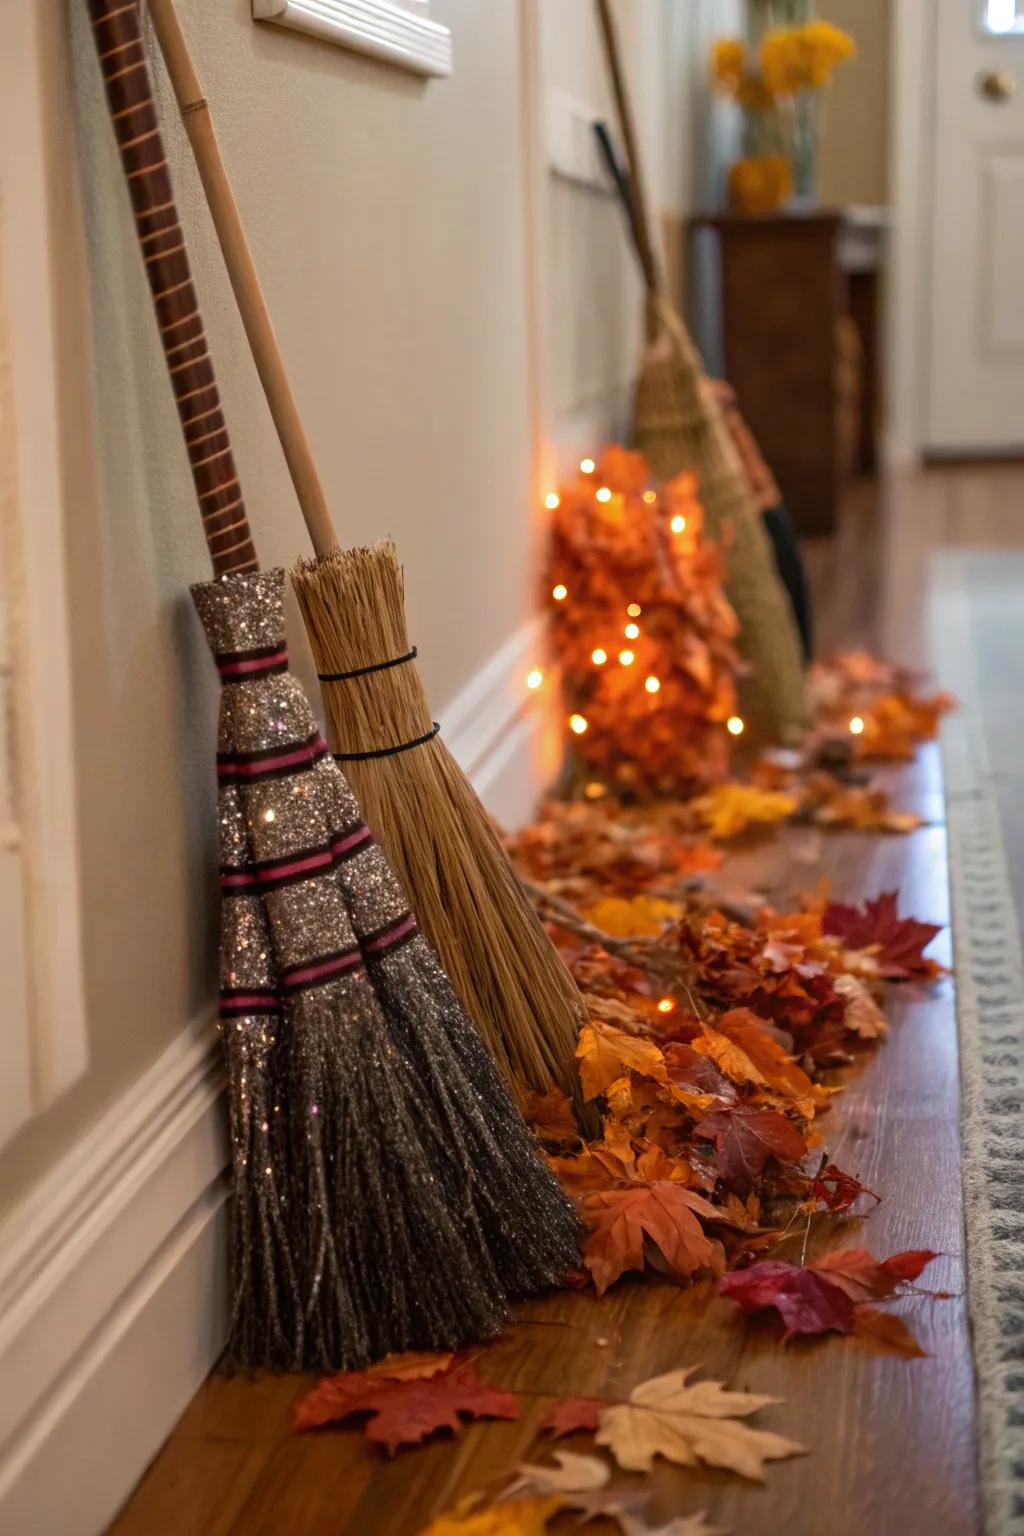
x=891, y=1443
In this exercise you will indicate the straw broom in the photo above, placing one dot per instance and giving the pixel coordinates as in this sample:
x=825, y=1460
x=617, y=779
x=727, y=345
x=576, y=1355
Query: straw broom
x=679, y=424
x=387, y=1195
x=420, y=804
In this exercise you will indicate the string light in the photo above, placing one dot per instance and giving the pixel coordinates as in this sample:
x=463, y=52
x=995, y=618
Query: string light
x=587, y=466
x=552, y=500
x=269, y=816
x=603, y=494
x=666, y=1005
x=856, y=726
x=534, y=678
x=599, y=657
x=634, y=610
x=560, y=592
x=650, y=497
x=627, y=658
x=593, y=790
x=678, y=523
x=734, y=725
x=632, y=631
x=577, y=724
x=653, y=685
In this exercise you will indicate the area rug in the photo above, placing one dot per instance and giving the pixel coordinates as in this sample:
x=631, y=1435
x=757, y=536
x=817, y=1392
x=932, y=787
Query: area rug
x=976, y=623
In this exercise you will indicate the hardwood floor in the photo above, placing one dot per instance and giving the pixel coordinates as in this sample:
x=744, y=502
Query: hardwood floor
x=890, y=1443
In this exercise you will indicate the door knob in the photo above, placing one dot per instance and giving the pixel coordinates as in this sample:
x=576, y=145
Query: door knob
x=996, y=85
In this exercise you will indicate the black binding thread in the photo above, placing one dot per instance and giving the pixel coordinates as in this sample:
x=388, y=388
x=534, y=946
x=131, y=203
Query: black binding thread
x=377, y=666
x=405, y=746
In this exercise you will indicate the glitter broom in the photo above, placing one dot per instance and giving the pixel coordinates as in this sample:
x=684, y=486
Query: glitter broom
x=387, y=1194
x=436, y=833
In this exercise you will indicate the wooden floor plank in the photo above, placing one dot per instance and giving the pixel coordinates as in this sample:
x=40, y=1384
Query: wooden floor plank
x=891, y=1443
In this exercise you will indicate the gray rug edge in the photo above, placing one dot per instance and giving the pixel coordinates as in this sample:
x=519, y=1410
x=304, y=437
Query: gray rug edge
x=989, y=982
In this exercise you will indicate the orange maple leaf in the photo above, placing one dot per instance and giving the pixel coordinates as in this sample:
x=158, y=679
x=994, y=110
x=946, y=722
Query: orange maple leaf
x=777, y=1068
x=621, y=1219
x=550, y=1116
x=606, y=1054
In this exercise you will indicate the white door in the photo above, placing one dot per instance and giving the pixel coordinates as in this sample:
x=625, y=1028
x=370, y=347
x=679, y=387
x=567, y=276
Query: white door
x=975, y=370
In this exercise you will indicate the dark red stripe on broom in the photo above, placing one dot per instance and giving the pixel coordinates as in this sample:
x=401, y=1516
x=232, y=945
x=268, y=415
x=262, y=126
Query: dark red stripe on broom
x=387, y=939
x=244, y=666
x=246, y=1001
x=271, y=762
x=316, y=973
x=271, y=874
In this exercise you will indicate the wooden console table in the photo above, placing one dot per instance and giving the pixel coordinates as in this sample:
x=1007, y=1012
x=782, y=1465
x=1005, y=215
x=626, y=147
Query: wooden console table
x=799, y=307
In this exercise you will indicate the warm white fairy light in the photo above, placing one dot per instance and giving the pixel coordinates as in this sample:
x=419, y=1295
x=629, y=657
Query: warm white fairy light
x=627, y=658
x=650, y=497
x=594, y=790
x=534, y=678
x=552, y=500
x=734, y=725
x=560, y=592
x=856, y=726
x=599, y=657
x=678, y=523
x=269, y=816
x=603, y=494
x=634, y=610
x=587, y=466
x=632, y=631
x=666, y=1004
x=652, y=684
x=577, y=724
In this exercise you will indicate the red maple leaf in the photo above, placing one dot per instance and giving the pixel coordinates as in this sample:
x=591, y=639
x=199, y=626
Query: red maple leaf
x=745, y=1139
x=837, y=1191
x=688, y=1069
x=900, y=941
x=865, y=1278
x=664, y=1212
x=806, y=1301
x=404, y=1412
x=570, y=1414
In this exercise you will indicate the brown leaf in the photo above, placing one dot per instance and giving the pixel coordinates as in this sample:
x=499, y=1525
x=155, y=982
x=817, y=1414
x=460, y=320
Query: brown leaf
x=745, y=1139
x=570, y=1414
x=886, y=1332
x=665, y=1213
x=865, y=1278
x=550, y=1116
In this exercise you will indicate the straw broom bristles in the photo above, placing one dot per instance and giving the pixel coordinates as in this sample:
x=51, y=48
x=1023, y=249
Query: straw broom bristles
x=433, y=828
x=679, y=425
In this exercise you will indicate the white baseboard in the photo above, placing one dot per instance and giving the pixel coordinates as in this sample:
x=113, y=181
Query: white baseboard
x=493, y=724
x=112, y=1272
x=112, y=1297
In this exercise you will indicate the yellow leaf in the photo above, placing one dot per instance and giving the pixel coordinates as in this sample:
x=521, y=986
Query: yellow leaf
x=691, y=1424
x=729, y=809
x=522, y=1517
x=627, y=918
x=605, y=1053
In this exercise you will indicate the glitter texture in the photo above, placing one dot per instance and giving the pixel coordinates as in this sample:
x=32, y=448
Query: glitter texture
x=388, y=1195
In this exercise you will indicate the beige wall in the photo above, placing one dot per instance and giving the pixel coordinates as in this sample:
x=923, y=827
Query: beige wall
x=389, y=223
x=854, y=149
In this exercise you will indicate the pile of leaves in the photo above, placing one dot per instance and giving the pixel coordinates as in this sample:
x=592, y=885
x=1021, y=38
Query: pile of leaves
x=705, y=1049
x=641, y=629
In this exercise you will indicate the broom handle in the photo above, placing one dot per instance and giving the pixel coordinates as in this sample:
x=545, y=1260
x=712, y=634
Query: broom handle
x=122, y=56
x=637, y=200
x=244, y=278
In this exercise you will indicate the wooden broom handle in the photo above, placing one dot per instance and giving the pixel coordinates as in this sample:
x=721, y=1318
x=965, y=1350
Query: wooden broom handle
x=122, y=55
x=649, y=264
x=244, y=278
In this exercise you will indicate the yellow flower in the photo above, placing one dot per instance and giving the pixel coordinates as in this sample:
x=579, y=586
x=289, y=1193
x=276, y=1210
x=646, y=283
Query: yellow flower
x=728, y=57
x=803, y=58
x=760, y=184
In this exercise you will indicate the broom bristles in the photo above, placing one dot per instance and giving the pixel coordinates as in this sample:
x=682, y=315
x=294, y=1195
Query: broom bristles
x=433, y=828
